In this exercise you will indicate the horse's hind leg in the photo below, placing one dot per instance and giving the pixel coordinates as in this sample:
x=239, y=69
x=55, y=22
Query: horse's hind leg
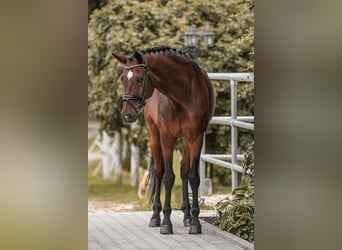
x=169, y=179
x=184, y=170
x=194, y=179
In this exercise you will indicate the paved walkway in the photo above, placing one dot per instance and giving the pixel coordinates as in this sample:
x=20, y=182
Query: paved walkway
x=130, y=230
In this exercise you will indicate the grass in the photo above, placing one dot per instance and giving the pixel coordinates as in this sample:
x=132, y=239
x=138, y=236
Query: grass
x=107, y=190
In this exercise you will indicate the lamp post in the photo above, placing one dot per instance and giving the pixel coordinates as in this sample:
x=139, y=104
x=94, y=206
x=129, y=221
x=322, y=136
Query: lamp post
x=191, y=41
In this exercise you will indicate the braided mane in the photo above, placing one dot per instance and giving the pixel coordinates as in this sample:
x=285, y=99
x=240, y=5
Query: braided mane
x=163, y=49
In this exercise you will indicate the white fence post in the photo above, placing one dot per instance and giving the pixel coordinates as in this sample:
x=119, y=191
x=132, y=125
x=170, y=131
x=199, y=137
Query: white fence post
x=106, y=155
x=116, y=157
x=233, y=105
x=101, y=151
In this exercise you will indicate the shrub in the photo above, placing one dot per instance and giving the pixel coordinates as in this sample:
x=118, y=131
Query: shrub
x=237, y=215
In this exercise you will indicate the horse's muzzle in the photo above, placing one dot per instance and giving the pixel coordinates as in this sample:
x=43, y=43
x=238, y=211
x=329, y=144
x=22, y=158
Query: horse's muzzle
x=129, y=117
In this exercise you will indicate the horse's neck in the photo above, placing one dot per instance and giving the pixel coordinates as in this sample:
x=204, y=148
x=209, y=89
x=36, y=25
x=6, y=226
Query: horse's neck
x=172, y=79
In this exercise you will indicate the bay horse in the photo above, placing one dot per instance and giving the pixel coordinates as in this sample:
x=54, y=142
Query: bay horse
x=178, y=101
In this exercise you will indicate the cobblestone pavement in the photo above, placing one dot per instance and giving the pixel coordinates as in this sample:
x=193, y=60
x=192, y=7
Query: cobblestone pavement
x=130, y=230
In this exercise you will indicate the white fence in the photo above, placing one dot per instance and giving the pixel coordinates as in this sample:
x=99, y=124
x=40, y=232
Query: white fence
x=229, y=161
x=100, y=149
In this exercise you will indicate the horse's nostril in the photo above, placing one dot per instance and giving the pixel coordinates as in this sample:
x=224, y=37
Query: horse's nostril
x=128, y=117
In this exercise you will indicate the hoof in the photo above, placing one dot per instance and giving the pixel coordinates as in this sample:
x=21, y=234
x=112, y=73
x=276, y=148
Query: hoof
x=166, y=229
x=187, y=222
x=154, y=223
x=195, y=229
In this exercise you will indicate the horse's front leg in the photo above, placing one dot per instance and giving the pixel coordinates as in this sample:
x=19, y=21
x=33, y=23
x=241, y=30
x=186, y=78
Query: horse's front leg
x=169, y=179
x=156, y=174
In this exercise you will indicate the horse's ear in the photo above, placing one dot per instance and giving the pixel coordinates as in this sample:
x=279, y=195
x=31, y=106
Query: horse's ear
x=122, y=59
x=138, y=56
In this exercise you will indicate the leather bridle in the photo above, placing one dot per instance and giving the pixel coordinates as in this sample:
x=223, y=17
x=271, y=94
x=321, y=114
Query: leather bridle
x=141, y=98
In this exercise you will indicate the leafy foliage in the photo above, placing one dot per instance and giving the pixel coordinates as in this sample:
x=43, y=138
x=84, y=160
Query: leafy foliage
x=95, y=4
x=237, y=216
x=123, y=27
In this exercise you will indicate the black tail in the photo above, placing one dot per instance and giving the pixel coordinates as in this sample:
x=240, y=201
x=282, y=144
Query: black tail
x=152, y=179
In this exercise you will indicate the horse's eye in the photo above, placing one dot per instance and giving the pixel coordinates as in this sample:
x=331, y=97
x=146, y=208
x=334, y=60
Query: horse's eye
x=139, y=80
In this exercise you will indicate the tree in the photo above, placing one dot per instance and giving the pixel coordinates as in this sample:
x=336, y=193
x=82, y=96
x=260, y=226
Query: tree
x=126, y=26
x=95, y=4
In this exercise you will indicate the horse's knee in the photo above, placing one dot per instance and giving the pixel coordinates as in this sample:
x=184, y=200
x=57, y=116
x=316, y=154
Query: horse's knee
x=169, y=178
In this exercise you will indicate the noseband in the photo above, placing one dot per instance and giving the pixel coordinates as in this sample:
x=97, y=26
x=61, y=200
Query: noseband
x=128, y=97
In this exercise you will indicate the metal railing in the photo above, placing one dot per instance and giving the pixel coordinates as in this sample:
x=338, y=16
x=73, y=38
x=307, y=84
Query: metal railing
x=229, y=161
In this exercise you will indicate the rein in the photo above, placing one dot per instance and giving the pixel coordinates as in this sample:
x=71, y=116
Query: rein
x=129, y=97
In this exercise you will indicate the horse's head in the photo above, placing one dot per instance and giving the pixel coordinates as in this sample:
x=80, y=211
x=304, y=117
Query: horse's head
x=135, y=82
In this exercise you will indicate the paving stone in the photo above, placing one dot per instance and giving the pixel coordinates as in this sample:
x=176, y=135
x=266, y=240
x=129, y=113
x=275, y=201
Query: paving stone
x=130, y=230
